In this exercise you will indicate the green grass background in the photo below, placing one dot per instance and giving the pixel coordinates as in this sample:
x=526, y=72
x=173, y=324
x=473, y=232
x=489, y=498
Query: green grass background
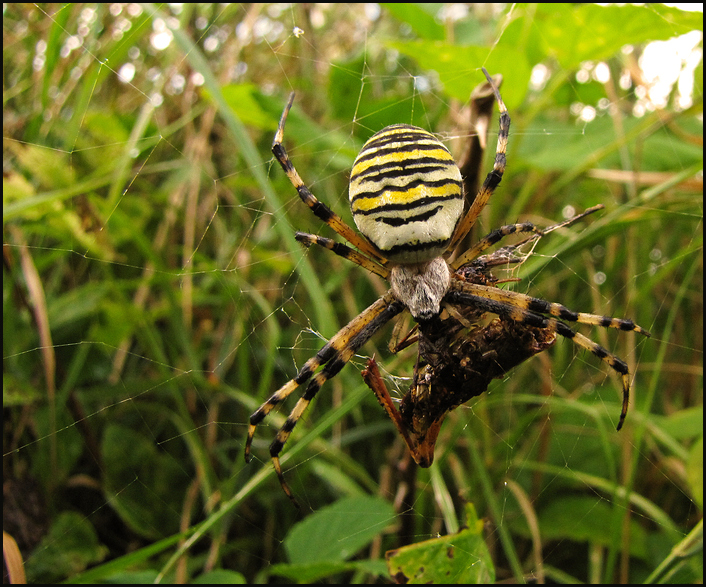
x=154, y=294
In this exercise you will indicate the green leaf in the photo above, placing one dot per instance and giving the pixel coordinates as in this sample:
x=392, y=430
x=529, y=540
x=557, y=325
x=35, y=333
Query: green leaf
x=242, y=99
x=562, y=146
x=459, y=67
x=422, y=22
x=220, y=577
x=310, y=573
x=337, y=532
x=370, y=111
x=69, y=547
x=458, y=558
x=574, y=33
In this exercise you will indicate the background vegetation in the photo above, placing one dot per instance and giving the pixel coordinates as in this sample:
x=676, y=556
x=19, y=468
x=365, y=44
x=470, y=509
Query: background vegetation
x=154, y=295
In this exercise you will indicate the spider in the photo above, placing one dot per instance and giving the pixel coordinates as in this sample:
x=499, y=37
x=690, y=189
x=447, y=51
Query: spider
x=407, y=200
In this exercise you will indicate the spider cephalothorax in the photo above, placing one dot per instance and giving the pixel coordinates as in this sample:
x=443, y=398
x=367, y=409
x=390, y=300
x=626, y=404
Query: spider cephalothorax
x=407, y=200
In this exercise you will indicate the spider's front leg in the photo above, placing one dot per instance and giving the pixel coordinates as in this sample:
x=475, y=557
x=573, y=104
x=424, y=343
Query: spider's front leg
x=321, y=210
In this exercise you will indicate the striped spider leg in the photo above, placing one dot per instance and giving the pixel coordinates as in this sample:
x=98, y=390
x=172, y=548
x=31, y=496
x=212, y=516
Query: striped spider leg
x=332, y=357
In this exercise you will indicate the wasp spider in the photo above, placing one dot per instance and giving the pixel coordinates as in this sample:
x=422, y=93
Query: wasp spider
x=407, y=199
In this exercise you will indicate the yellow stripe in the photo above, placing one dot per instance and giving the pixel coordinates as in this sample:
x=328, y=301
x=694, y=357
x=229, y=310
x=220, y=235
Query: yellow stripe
x=439, y=154
x=404, y=197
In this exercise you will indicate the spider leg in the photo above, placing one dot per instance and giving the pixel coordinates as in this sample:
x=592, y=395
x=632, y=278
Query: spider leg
x=398, y=342
x=540, y=306
x=492, y=179
x=492, y=238
x=499, y=233
x=522, y=314
x=321, y=210
x=573, y=219
x=343, y=251
x=333, y=356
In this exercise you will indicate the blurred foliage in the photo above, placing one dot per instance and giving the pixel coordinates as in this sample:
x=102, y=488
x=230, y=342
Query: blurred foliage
x=154, y=294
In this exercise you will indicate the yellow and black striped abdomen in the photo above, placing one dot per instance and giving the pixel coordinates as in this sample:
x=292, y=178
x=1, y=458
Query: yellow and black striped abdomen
x=406, y=194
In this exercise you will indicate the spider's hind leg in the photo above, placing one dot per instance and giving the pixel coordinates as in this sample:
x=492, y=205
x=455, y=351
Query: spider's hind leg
x=524, y=309
x=333, y=356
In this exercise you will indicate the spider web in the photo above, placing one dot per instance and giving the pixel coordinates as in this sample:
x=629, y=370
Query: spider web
x=156, y=296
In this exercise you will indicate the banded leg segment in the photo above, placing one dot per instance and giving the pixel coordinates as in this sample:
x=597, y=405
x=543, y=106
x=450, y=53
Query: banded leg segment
x=333, y=356
x=540, y=306
x=498, y=234
x=531, y=318
x=492, y=179
x=321, y=210
x=343, y=251
x=492, y=238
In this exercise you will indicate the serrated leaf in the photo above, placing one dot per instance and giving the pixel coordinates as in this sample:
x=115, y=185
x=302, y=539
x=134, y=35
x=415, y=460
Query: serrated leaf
x=460, y=558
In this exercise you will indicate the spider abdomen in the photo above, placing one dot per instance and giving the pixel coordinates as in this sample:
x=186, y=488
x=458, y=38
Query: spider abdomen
x=406, y=194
